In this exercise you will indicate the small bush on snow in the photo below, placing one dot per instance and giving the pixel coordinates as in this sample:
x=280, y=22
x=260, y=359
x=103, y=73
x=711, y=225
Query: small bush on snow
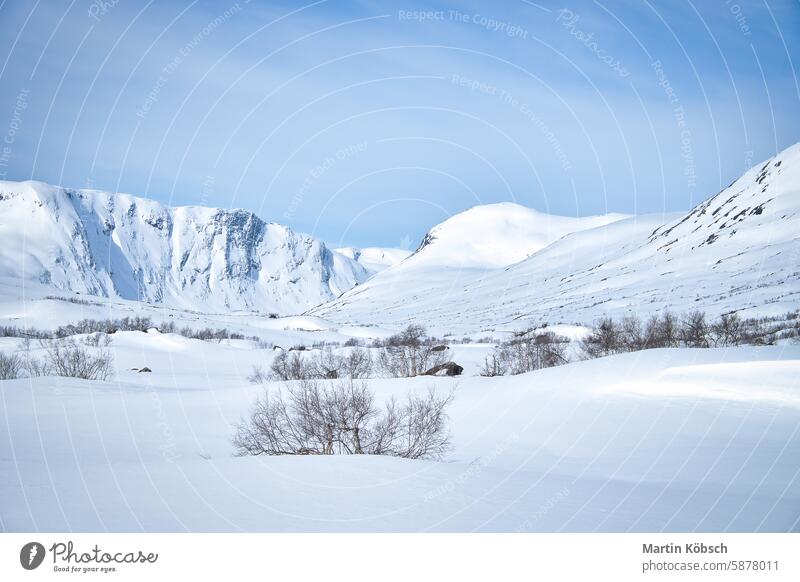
x=11, y=366
x=308, y=419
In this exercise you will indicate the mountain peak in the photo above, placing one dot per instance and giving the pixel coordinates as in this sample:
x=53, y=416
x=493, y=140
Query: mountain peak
x=118, y=245
x=498, y=235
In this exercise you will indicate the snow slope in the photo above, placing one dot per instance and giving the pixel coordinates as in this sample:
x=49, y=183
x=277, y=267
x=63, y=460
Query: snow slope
x=116, y=245
x=497, y=235
x=375, y=259
x=663, y=440
x=477, y=242
x=738, y=251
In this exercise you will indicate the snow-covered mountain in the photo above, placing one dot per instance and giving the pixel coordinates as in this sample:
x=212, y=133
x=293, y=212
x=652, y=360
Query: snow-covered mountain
x=465, y=247
x=739, y=250
x=208, y=259
x=496, y=266
x=374, y=259
x=497, y=235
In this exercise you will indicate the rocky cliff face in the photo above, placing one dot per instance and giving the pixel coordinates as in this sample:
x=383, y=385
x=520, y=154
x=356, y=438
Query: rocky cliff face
x=116, y=245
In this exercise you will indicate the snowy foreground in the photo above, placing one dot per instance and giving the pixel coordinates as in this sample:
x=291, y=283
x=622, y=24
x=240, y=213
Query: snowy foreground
x=674, y=440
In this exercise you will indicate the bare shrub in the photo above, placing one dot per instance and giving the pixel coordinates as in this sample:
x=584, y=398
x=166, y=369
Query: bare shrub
x=527, y=352
x=325, y=365
x=668, y=334
x=632, y=336
x=728, y=330
x=263, y=344
x=604, y=339
x=136, y=323
x=97, y=339
x=259, y=376
x=14, y=331
x=66, y=358
x=307, y=419
x=11, y=366
x=422, y=431
x=35, y=368
x=357, y=364
x=542, y=350
x=288, y=366
x=694, y=331
x=651, y=333
x=410, y=353
x=495, y=364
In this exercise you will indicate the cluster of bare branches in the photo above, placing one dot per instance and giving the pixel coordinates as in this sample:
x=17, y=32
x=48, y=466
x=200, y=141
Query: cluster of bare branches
x=693, y=330
x=67, y=358
x=61, y=358
x=306, y=418
x=11, y=366
x=410, y=353
x=326, y=364
x=528, y=351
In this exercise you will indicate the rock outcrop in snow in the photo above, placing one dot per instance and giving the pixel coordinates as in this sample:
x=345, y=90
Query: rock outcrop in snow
x=207, y=259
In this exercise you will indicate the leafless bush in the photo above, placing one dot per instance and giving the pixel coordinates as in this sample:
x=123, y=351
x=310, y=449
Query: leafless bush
x=136, y=323
x=694, y=331
x=263, y=344
x=667, y=332
x=289, y=366
x=691, y=330
x=629, y=335
x=75, y=300
x=604, y=339
x=542, y=350
x=35, y=367
x=11, y=366
x=14, y=331
x=527, y=352
x=66, y=358
x=259, y=376
x=208, y=334
x=97, y=339
x=324, y=365
x=410, y=353
x=495, y=364
x=632, y=336
x=728, y=330
x=357, y=364
x=306, y=419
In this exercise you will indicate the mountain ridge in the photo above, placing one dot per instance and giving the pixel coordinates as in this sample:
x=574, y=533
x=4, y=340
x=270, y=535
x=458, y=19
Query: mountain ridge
x=737, y=251
x=119, y=245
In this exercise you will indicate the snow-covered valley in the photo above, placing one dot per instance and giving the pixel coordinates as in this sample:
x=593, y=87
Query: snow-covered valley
x=662, y=439
x=673, y=440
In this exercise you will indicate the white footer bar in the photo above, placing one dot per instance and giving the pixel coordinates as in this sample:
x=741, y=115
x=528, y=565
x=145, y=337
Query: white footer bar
x=386, y=557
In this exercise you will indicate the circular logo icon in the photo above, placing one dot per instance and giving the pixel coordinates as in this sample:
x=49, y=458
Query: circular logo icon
x=31, y=555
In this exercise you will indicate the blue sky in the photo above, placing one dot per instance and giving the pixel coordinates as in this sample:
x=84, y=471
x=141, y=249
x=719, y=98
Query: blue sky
x=367, y=122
